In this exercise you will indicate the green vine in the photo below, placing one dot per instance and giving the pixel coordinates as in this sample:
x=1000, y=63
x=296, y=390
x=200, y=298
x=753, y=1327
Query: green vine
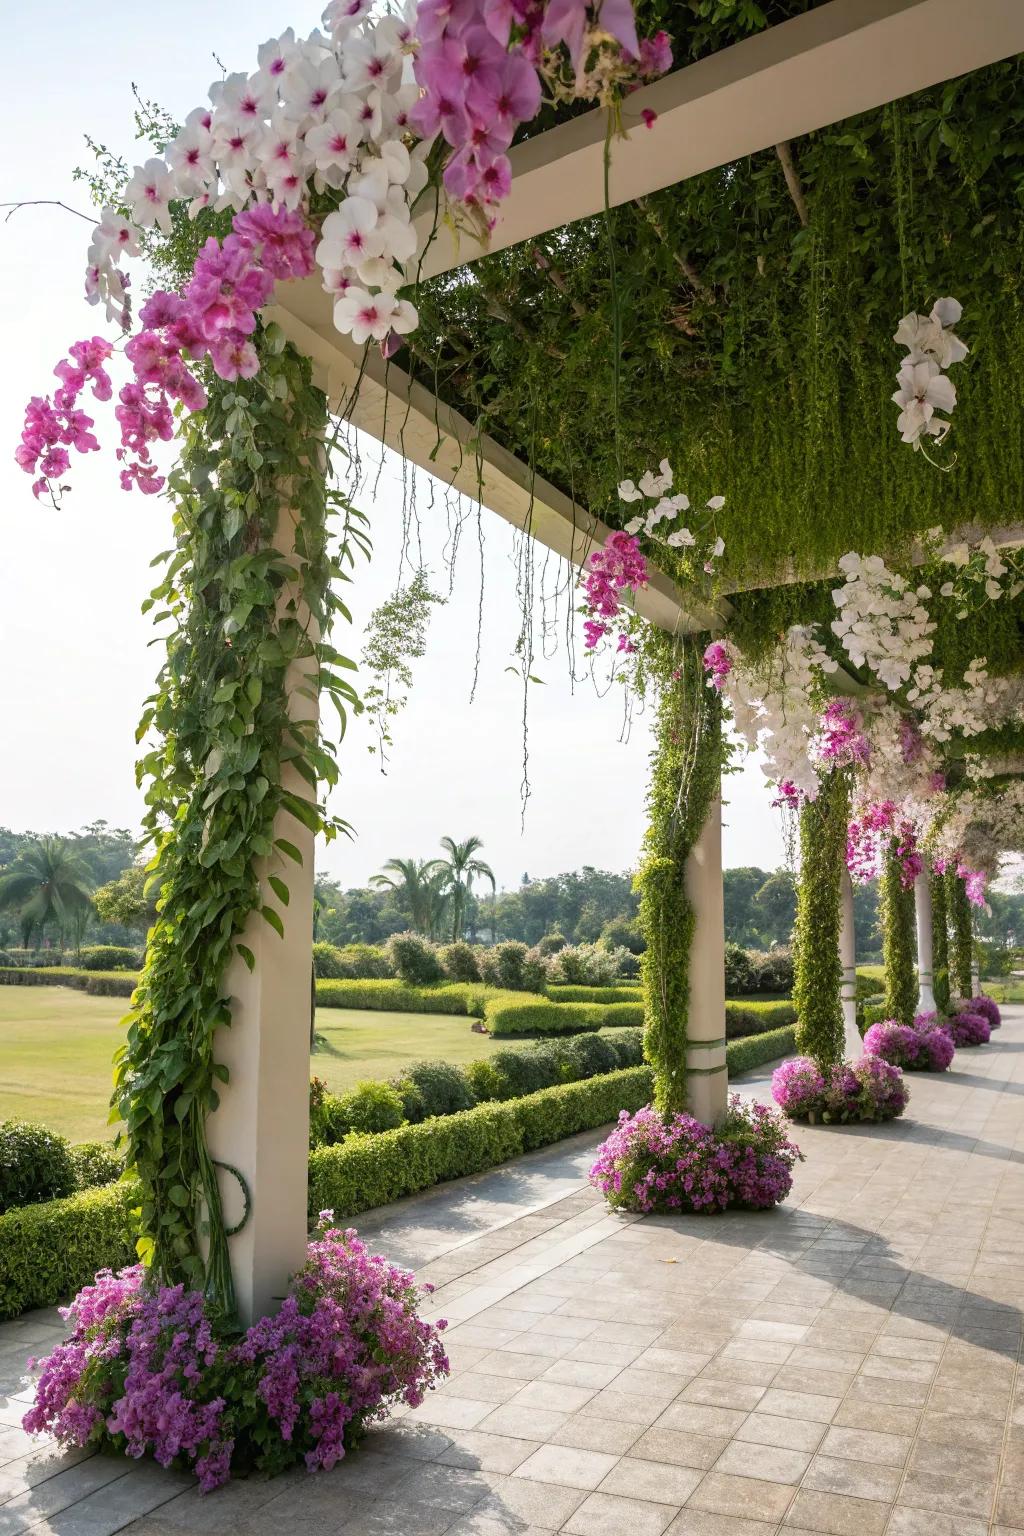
x=899, y=942
x=247, y=591
x=686, y=773
x=940, y=942
x=818, y=975
x=396, y=636
x=961, y=937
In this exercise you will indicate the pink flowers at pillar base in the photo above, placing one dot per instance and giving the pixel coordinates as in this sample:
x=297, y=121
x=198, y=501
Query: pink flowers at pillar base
x=868, y=1089
x=924, y=1046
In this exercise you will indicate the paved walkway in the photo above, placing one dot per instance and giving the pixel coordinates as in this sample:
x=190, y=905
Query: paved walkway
x=845, y=1365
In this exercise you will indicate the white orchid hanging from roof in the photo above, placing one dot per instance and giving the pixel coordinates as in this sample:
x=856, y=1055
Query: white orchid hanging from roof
x=923, y=388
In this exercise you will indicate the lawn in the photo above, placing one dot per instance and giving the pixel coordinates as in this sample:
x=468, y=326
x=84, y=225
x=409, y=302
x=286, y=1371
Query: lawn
x=56, y=1047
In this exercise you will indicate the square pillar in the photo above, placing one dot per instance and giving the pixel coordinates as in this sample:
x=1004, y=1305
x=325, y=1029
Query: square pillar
x=707, y=1077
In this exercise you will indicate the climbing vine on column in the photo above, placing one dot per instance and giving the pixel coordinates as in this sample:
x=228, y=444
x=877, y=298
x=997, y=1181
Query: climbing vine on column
x=899, y=943
x=241, y=613
x=818, y=975
x=685, y=778
x=961, y=937
x=940, y=942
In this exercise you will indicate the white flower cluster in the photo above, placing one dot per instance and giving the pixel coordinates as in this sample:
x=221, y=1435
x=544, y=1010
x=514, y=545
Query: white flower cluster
x=976, y=705
x=979, y=827
x=667, y=509
x=998, y=574
x=327, y=113
x=902, y=767
x=773, y=705
x=883, y=623
x=923, y=386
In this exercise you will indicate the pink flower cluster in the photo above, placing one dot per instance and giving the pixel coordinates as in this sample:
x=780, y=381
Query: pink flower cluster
x=924, y=1046
x=147, y=1369
x=841, y=742
x=717, y=664
x=652, y=1162
x=788, y=796
x=869, y=835
x=479, y=63
x=214, y=317
x=975, y=881
x=987, y=1007
x=969, y=1028
x=867, y=1089
x=610, y=571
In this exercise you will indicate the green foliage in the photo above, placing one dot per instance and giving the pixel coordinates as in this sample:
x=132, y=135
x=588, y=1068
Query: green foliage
x=242, y=617
x=940, y=943
x=374, y=1170
x=744, y=1055
x=899, y=943
x=124, y=900
x=35, y=1164
x=755, y=1018
x=364, y=962
x=686, y=770
x=571, y=994
x=49, y=1251
x=419, y=890
x=393, y=996
x=961, y=938
x=818, y=974
x=327, y=963
x=97, y=983
x=511, y=965
x=546, y=1018
x=49, y=886
x=95, y=1163
x=396, y=636
x=370, y=1107
x=434, y=1088
x=413, y=959
x=109, y=957
x=459, y=961
x=740, y=976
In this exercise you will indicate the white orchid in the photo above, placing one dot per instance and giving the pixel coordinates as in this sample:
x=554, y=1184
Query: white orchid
x=114, y=236
x=653, y=485
x=148, y=194
x=923, y=390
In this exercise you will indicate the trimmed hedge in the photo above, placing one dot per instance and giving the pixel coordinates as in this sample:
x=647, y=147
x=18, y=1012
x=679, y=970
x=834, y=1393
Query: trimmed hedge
x=755, y=1050
x=49, y=1251
x=546, y=1018
x=367, y=1171
x=393, y=996
x=754, y=1017
x=98, y=983
x=563, y=992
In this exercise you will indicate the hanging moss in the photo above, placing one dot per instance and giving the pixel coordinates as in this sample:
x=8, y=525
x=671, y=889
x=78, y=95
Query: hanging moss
x=960, y=936
x=940, y=942
x=899, y=943
x=686, y=773
x=818, y=973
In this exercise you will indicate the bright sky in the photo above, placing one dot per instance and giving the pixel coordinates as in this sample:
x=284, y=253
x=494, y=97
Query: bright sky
x=74, y=663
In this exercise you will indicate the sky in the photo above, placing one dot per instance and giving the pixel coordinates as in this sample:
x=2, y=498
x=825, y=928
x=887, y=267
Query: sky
x=76, y=656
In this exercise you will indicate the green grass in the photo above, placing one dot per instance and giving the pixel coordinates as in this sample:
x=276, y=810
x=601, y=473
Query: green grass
x=1005, y=991
x=358, y=1045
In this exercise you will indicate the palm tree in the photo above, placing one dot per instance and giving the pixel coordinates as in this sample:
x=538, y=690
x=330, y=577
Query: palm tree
x=419, y=885
x=461, y=868
x=50, y=884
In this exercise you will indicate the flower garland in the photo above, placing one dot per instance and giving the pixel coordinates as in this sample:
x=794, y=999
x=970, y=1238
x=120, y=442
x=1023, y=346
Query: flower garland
x=932, y=346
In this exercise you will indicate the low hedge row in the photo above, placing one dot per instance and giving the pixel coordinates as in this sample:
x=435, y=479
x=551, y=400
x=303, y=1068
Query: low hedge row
x=754, y=1050
x=564, y=992
x=48, y=1251
x=98, y=983
x=543, y=1017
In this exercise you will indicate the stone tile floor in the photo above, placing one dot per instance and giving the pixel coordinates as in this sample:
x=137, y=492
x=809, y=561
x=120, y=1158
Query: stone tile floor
x=844, y=1365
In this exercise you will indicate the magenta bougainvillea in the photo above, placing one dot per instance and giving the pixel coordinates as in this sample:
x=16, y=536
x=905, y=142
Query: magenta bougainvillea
x=969, y=1028
x=987, y=1007
x=924, y=1046
x=867, y=1089
x=147, y=1369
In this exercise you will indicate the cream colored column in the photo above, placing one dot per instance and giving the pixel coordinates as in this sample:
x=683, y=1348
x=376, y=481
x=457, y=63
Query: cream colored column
x=262, y=1125
x=852, y=1045
x=707, y=1077
x=923, y=909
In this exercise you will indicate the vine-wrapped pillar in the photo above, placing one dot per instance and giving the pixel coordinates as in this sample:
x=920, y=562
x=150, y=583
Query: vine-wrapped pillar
x=923, y=914
x=898, y=941
x=818, y=976
x=852, y=1044
x=681, y=899
x=961, y=946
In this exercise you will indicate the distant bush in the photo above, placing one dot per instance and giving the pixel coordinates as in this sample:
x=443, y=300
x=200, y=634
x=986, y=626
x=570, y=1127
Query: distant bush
x=365, y=962
x=563, y=993
x=97, y=983
x=550, y=944
x=587, y=965
x=413, y=958
x=35, y=1164
x=369, y=1107
x=393, y=996
x=774, y=969
x=459, y=961
x=754, y=1016
x=110, y=957
x=512, y=966
x=433, y=1088
x=623, y=933
x=95, y=1163
x=740, y=971
x=327, y=962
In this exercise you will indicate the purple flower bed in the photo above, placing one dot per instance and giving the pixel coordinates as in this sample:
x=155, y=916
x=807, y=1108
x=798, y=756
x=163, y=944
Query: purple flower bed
x=987, y=1007
x=924, y=1046
x=655, y=1163
x=969, y=1028
x=868, y=1089
x=146, y=1369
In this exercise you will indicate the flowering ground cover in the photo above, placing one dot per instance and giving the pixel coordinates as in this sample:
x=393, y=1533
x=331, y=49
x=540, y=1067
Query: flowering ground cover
x=868, y=1089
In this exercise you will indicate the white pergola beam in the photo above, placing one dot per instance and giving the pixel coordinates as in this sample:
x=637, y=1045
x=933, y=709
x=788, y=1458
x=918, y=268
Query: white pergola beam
x=837, y=60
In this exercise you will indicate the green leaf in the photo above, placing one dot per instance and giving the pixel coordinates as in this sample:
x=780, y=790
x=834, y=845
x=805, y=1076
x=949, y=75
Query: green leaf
x=288, y=848
x=273, y=919
x=279, y=889
x=247, y=955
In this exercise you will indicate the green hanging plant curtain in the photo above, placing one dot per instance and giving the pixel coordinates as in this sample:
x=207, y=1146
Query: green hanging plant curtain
x=961, y=939
x=899, y=942
x=818, y=975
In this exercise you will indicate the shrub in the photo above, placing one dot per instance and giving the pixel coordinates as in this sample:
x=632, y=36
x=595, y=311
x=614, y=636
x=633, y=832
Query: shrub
x=569, y=993
x=867, y=1089
x=365, y=962
x=459, y=962
x=922, y=1046
x=511, y=965
x=550, y=944
x=95, y=1163
x=987, y=1007
x=543, y=1018
x=47, y=1251
x=740, y=972
x=773, y=970
x=623, y=933
x=589, y=965
x=413, y=958
x=369, y=1107
x=328, y=963
x=149, y=1368
x=628, y=1045
x=754, y=1018
x=969, y=1029
x=755, y=1050
x=109, y=957
x=589, y=1055
x=798, y=1087
x=442, y=1087
x=35, y=1164
x=650, y=1164
x=516, y=1072
x=367, y=1171
x=98, y=984
x=391, y=996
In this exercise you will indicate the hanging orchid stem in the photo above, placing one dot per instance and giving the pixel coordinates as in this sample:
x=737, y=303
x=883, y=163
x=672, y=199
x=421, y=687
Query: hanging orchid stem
x=609, y=226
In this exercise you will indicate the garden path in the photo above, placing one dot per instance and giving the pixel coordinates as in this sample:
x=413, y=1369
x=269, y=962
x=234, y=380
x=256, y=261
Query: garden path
x=845, y=1364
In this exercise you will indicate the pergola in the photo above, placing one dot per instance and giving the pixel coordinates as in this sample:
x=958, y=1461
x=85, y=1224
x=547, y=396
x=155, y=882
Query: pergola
x=838, y=59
